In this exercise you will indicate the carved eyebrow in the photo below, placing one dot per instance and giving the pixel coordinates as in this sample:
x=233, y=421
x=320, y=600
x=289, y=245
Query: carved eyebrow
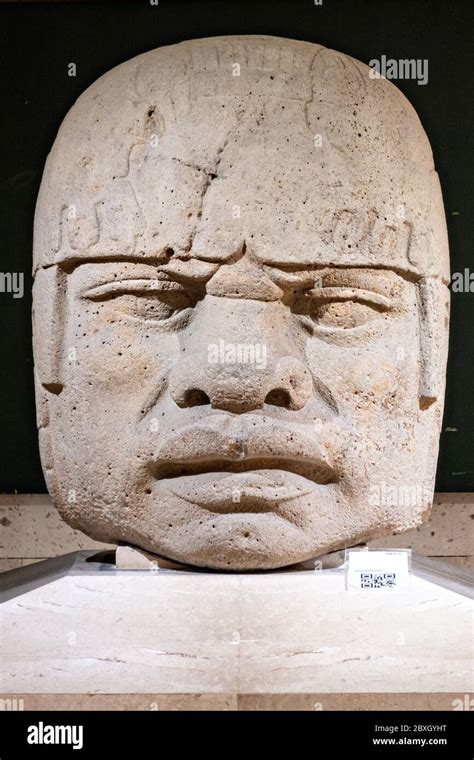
x=281, y=276
x=130, y=285
x=306, y=277
x=348, y=293
x=286, y=276
x=192, y=269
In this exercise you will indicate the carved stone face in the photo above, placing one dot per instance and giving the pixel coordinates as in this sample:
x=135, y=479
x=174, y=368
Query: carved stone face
x=240, y=306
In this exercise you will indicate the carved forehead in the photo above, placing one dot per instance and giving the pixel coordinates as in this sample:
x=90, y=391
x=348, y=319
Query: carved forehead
x=201, y=146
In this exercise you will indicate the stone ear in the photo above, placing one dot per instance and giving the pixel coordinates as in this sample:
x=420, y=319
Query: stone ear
x=49, y=293
x=434, y=321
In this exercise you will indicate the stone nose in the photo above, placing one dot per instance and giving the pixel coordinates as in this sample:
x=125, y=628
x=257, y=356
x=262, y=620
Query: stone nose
x=241, y=379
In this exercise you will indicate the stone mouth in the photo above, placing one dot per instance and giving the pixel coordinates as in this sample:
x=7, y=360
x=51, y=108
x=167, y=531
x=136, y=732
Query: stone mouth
x=315, y=470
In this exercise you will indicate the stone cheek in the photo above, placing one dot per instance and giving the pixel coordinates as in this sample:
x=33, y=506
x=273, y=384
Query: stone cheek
x=240, y=330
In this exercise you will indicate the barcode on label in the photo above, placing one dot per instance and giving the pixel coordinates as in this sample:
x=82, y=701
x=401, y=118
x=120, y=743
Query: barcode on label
x=378, y=580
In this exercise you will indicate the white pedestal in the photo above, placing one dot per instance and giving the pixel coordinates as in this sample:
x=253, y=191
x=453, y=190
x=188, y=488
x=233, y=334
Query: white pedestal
x=81, y=636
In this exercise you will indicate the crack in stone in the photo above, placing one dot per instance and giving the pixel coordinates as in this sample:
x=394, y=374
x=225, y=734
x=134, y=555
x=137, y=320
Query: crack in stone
x=309, y=101
x=190, y=165
x=211, y=176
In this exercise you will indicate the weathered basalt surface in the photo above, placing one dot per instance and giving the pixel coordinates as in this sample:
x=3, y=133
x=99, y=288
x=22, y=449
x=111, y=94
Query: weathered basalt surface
x=240, y=305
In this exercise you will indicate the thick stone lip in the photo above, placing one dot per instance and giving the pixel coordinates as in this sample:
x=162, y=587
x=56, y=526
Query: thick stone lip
x=313, y=469
x=255, y=489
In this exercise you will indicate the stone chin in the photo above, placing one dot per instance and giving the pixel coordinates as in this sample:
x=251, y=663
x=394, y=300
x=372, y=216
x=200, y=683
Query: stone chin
x=261, y=519
x=257, y=533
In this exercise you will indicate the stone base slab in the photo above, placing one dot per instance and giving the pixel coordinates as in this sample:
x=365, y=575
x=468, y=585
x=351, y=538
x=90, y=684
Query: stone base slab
x=81, y=635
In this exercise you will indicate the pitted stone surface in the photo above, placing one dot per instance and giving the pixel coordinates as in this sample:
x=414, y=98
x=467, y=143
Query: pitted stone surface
x=240, y=305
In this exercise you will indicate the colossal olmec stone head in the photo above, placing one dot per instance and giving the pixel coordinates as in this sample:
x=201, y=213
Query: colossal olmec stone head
x=240, y=305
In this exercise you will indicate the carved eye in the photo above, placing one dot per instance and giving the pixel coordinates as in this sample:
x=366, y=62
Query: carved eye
x=144, y=299
x=159, y=306
x=343, y=314
x=345, y=308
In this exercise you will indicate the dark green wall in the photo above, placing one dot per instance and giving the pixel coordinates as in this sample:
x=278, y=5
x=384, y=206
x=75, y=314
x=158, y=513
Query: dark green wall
x=38, y=41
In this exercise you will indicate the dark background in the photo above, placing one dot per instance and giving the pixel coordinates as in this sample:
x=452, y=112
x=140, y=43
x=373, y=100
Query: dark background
x=38, y=40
